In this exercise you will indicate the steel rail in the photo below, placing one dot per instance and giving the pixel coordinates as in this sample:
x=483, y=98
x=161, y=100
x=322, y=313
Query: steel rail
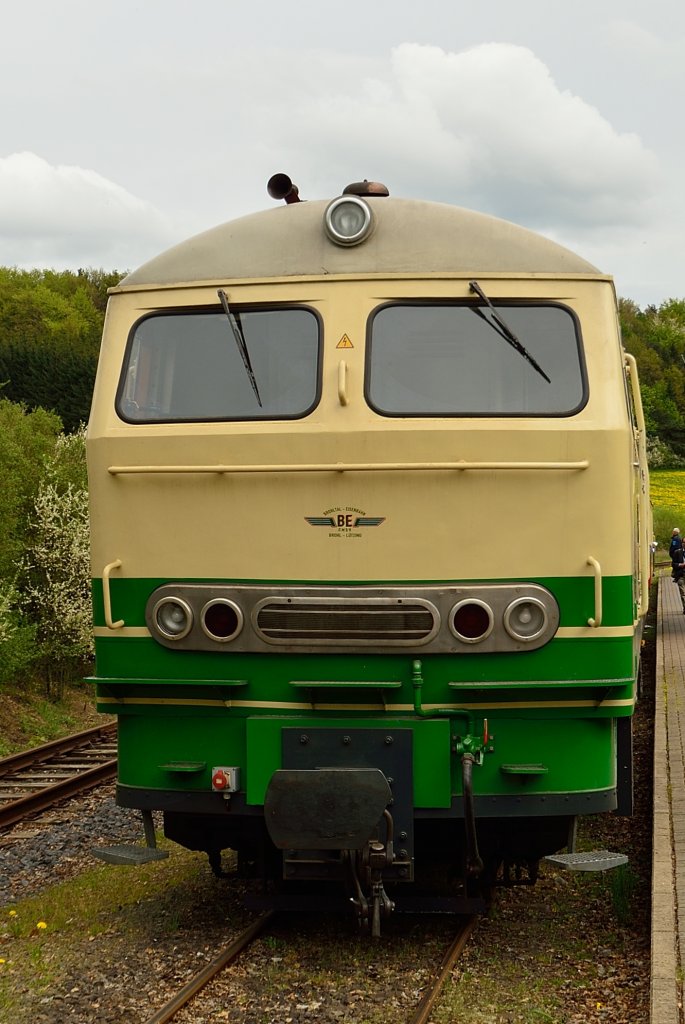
x=77, y=781
x=456, y=948
x=200, y=979
x=14, y=762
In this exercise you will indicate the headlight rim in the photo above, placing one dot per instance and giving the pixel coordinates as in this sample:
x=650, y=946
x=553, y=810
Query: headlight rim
x=508, y=611
x=348, y=240
x=190, y=617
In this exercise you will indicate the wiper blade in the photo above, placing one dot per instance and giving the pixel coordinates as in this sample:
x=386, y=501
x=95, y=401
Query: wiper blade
x=236, y=327
x=502, y=328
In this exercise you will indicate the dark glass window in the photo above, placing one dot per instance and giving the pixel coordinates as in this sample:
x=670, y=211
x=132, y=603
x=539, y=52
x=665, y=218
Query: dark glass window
x=187, y=366
x=445, y=360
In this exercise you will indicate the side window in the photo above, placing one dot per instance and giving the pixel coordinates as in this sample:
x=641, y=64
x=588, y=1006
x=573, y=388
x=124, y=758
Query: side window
x=187, y=366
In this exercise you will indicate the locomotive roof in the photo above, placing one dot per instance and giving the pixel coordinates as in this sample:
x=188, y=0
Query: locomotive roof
x=410, y=236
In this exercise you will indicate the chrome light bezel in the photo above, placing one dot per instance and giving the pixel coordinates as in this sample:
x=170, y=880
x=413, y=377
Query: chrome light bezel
x=479, y=604
x=240, y=619
x=511, y=608
x=169, y=599
x=334, y=232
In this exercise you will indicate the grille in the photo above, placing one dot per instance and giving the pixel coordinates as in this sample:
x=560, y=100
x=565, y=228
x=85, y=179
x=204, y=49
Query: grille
x=359, y=622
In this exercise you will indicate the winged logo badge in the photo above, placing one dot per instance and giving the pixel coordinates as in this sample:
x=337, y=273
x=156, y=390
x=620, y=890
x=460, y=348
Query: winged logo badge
x=344, y=521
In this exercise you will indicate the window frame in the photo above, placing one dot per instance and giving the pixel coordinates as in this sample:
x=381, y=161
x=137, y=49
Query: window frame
x=217, y=309
x=500, y=305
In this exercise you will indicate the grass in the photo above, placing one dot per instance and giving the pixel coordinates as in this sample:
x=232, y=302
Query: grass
x=667, y=489
x=42, y=936
x=29, y=719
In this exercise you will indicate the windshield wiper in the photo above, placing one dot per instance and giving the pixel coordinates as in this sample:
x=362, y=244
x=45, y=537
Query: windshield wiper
x=236, y=327
x=502, y=328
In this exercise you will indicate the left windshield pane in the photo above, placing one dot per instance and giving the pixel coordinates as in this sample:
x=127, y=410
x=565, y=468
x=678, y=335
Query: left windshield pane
x=184, y=367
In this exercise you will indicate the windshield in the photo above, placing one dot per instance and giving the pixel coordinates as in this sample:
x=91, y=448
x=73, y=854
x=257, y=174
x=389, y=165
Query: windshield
x=186, y=366
x=446, y=360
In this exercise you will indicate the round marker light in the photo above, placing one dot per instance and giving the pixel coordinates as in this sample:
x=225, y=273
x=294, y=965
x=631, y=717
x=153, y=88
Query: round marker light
x=348, y=220
x=471, y=621
x=525, y=619
x=173, y=618
x=221, y=620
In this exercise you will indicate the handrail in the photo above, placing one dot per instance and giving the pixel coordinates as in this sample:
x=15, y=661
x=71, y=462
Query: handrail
x=107, y=597
x=597, y=620
x=342, y=383
x=643, y=540
x=352, y=467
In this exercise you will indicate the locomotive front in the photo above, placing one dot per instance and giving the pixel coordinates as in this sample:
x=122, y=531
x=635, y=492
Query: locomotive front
x=370, y=528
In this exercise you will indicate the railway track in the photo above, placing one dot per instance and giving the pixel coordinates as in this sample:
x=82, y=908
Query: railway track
x=421, y=1014
x=36, y=779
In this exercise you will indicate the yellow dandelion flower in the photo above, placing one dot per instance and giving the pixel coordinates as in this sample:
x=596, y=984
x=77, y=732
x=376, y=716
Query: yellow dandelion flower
x=41, y=925
x=12, y=913
x=2, y=960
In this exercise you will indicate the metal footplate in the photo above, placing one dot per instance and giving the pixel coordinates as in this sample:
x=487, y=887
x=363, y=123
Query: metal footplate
x=591, y=860
x=129, y=854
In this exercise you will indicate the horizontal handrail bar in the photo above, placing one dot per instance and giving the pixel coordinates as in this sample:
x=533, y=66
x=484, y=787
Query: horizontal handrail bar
x=353, y=467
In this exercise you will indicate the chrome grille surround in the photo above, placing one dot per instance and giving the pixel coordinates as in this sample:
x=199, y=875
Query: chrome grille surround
x=345, y=619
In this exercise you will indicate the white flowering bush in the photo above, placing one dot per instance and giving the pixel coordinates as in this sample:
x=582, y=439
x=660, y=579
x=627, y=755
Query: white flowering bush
x=55, y=572
x=660, y=455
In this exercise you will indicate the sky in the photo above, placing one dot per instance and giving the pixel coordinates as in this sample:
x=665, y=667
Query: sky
x=128, y=127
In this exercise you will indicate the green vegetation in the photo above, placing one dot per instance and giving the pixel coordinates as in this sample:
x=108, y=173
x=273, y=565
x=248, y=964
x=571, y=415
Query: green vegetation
x=44, y=565
x=667, y=489
x=656, y=337
x=50, y=330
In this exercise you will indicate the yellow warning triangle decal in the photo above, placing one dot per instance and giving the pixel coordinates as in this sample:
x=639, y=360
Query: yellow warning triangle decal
x=344, y=342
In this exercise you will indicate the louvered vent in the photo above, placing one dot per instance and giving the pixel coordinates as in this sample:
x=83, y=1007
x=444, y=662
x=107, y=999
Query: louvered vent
x=340, y=622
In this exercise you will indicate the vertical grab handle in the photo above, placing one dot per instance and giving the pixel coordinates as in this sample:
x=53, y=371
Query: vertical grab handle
x=342, y=382
x=597, y=620
x=107, y=597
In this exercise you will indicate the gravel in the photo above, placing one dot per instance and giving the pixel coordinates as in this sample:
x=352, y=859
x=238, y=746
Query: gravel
x=57, y=843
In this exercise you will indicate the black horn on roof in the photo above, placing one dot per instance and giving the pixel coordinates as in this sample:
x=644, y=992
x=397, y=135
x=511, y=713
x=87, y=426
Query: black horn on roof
x=280, y=186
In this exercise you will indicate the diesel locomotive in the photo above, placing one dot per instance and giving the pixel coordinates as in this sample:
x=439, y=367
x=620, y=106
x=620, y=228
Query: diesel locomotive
x=370, y=543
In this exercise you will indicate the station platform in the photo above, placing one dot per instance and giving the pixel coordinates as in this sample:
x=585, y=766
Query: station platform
x=668, y=853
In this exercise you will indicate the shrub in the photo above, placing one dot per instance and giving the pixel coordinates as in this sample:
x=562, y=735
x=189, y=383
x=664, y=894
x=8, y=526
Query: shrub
x=56, y=567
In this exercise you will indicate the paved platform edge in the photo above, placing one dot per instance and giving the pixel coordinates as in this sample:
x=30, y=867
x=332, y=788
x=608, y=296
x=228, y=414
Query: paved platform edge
x=668, y=851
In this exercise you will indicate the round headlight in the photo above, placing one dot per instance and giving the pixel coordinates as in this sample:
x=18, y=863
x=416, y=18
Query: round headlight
x=525, y=619
x=221, y=620
x=173, y=618
x=348, y=220
x=471, y=621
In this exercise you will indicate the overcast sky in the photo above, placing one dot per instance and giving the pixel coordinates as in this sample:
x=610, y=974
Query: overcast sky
x=129, y=126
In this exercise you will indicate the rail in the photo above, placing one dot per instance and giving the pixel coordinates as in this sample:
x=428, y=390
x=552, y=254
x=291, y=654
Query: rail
x=35, y=779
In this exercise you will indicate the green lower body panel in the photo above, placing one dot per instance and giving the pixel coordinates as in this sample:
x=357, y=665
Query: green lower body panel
x=522, y=758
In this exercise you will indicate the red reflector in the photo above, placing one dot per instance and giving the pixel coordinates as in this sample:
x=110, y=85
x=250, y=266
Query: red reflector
x=471, y=621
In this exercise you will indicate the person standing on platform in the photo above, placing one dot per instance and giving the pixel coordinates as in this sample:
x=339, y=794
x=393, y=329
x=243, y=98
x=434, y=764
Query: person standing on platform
x=675, y=546
x=676, y=542
x=678, y=573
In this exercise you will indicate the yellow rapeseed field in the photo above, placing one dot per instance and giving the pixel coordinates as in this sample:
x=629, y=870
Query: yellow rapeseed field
x=667, y=488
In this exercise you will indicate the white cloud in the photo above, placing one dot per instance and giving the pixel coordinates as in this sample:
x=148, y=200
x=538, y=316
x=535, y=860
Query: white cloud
x=487, y=127
x=63, y=216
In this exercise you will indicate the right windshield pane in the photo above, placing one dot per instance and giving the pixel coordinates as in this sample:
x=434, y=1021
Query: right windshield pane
x=445, y=360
